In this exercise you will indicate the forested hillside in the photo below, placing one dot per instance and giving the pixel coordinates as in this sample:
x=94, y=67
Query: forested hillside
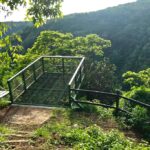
x=127, y=26
x=111, y=69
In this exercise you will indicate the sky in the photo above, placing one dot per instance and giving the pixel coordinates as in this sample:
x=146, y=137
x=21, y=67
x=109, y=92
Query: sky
x=72, y=6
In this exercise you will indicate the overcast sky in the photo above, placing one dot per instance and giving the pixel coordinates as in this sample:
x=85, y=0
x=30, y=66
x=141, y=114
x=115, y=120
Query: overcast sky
x=72, y=6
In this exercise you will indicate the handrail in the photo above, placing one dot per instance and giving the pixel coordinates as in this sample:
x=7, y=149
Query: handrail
x=3, y=94
x=113, y=94
x=60, y=56
x=135, y=101
x=24, y=76
x=75, y=73
x=92, y=91
x=21, y=71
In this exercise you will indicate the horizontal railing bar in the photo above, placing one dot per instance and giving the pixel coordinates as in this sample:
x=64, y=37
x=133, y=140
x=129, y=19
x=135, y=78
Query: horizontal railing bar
x=4, y=95
x=72, y=57
x=75, y=57
x=24, y=69
x=135, y=101
x=124, y=111
x=92, y=91
x=75, y=73
x=87, y=102
x=112, y=94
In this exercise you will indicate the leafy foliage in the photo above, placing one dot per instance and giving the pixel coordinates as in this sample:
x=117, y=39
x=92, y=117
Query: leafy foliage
x=132, y=79
x=79, y=137
x=129, y=34
x=37, y=11
x=57, y=43
x=100, y=75
x=137, y=86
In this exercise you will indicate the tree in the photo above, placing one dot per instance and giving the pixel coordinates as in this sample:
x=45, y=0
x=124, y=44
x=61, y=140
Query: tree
x=57, y=43
x=99, y=71
x=52, y=43
x=101, y=76
x=137, y=86
x=133, y=79
x=38, y=11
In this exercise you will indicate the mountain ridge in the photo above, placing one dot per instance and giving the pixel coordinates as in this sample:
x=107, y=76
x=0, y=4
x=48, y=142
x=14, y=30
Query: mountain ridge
x=126, y=25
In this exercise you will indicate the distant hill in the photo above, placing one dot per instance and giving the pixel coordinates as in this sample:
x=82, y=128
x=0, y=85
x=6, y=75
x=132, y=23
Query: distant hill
x=127, y=26
x=18, y=27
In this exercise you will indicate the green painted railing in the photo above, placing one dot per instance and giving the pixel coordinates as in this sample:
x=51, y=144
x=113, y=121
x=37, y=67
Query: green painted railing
x=76, y=80
x=116, y=98
x=64, y=65
x=22, y=81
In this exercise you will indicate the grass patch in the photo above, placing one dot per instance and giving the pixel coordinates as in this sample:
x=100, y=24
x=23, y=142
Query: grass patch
x=4, y=130
x=77, y=129
x=4, y=103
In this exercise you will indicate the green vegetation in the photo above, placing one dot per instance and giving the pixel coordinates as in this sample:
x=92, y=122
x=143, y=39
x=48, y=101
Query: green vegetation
x=78, y=35
x=4, y=130
x=121, y=25
x=56, y=43
x=137, y=86
x=4, y=102
x=81, y=130
x=38, y=12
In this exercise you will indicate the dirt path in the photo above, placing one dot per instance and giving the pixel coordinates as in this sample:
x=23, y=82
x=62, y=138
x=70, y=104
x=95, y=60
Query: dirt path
x=27, y=116
x=24, y=121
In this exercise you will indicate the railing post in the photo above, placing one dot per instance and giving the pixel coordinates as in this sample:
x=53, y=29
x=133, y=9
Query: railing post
x=34, y=73
x=117, y=102
x=24, y=81
x=43, y=67
x=10, y=91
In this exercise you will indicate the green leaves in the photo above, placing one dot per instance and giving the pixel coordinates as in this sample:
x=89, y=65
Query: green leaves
x=38, y=11
x=57, y=43
x=132, y=79
x=91, y=138
x=137, y=86
x=3, y=29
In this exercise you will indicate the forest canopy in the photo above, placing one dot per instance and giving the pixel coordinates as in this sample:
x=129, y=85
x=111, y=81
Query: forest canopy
x=129, y=34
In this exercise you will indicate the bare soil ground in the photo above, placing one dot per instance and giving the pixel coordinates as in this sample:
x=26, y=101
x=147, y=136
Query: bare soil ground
x=24, y=121
x=24, y=115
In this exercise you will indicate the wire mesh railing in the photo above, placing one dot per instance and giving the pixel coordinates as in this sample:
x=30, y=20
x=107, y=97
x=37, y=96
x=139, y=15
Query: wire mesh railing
x=20, y=82
x=23, y=80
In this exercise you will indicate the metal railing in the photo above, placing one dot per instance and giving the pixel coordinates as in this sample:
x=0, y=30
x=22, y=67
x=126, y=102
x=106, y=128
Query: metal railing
x=115, y=97
x=76, y=80
x=21, y=81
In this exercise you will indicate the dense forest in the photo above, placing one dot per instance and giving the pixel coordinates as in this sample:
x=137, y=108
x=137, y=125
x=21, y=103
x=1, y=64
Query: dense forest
x=115, y=42
x=127, y=26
